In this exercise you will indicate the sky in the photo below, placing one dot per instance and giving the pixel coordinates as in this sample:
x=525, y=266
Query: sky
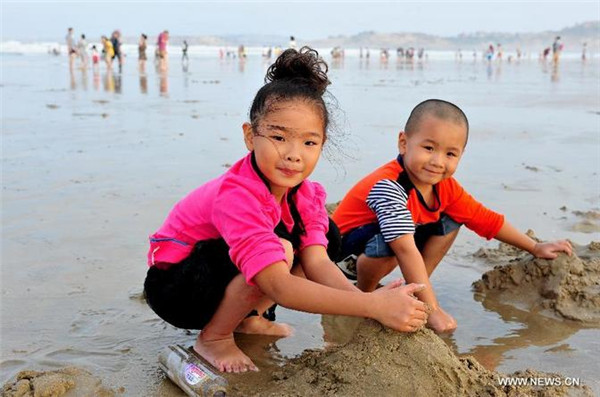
x=48, y=20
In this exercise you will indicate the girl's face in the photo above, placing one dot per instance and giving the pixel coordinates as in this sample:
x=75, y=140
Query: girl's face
x=287, y=143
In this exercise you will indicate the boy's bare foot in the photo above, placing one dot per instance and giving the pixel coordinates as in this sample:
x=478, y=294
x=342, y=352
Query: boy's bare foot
x=223, y=354
x=262, y=326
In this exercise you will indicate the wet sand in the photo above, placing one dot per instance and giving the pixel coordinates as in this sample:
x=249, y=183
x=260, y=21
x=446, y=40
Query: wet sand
x=568, y=286
x=67, y=382
x=375, y=361
x=381, y=362
x=92, y=164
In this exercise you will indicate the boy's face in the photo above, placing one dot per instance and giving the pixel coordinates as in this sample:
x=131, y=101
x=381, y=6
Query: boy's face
x=432, y=152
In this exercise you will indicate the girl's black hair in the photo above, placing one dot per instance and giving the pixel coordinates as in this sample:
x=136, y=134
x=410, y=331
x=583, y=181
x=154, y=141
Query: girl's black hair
x=296, y=74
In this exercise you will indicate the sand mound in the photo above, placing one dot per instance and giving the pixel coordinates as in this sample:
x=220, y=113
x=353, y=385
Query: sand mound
x=67, y=382
x=381, y=362
x=566, y=286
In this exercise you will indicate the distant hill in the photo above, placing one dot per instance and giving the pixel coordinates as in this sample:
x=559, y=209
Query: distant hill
x=572, y=37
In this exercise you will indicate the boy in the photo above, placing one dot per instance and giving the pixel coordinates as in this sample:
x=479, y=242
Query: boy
x=409, y=211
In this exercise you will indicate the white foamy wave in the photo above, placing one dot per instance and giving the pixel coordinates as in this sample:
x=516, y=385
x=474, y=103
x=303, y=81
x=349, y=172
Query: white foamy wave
x=16, y=47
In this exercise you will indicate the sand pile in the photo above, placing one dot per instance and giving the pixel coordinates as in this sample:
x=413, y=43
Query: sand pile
x=566, y=286
x=382, y=362
x=65, y=382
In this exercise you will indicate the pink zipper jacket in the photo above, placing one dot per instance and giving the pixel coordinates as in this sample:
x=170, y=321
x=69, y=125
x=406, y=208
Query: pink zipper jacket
x=238, y=207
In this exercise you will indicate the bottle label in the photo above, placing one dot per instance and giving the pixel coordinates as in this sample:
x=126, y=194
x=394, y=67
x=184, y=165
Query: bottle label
x=193, y=374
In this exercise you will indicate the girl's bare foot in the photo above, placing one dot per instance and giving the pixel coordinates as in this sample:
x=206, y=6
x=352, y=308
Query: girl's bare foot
x=262, y=326
x=223, y=353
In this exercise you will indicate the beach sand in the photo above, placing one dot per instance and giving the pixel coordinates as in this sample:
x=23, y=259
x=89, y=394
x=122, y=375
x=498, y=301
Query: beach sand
x=567, y=287
x=92, y=165
x=381, y=362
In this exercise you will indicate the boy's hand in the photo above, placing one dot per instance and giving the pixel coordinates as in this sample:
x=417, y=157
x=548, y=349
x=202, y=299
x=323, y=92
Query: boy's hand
x=398, y=308
x=551, y=249
x=440, y=321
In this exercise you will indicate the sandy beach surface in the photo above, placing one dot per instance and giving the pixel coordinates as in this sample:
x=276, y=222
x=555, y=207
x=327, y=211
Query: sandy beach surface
x=91, y=164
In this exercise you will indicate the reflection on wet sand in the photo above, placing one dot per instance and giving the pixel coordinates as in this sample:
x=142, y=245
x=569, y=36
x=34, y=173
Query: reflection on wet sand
x=118, y=85
x=84, y=79
x=113, y=82
x=143, y=84
x=537, y=330
x=72, y=82
x=163, y=85
x=96, y=80
x=555, y=76
x=109, y=82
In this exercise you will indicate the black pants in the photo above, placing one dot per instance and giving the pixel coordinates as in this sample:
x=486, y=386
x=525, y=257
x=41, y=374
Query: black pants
x=188, y=293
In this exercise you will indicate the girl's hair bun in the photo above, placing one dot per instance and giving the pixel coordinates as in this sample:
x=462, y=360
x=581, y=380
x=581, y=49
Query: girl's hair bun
x=303, y=66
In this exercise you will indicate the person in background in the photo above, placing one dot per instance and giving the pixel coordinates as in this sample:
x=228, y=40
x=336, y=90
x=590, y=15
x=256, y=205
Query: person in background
x=95, y=58
x=109, y=52
x=557, y=48
x=184, y=51
x=115, y=39
x=82, y=51
x=71, y=50
x=142, y=46
x=161, y=50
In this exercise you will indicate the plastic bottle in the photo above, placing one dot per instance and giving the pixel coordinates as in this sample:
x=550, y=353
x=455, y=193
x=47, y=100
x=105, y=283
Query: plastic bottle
x=187, y=371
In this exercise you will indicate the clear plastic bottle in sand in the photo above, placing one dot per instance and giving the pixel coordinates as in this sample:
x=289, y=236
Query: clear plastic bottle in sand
x=186, y=369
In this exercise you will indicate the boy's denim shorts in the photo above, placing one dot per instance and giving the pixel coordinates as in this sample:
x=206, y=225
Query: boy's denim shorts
x=368, y=239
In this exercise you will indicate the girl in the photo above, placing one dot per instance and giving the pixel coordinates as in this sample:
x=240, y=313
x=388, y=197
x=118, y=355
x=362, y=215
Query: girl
x=258, y=234
x=95, y=57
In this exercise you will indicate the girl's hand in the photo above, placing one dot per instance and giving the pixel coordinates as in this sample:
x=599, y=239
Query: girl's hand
x=551, y=249
x=398, y=308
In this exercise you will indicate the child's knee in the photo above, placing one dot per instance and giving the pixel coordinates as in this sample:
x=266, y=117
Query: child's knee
x=251, y=293
x=381, y=265
x=389, y=263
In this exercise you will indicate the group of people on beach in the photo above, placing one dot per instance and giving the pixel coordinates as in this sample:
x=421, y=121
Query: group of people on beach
x=112, y=48
x=259, y=235
x=556, y=49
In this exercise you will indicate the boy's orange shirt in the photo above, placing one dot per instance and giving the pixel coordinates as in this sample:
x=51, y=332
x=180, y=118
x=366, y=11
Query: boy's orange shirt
x=455, y=202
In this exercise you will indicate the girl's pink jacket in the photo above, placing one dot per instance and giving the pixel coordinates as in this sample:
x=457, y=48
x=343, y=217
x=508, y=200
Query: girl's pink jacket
x=238, y=207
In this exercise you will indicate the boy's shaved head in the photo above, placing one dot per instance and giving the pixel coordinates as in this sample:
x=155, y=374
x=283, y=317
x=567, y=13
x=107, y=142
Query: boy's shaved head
x=439, y=109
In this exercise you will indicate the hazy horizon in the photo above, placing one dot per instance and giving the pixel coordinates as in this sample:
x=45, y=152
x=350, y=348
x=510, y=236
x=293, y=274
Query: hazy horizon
x=44, y=20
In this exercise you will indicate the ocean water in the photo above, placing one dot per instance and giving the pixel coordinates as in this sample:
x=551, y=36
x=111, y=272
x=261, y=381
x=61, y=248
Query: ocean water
x=92, y=163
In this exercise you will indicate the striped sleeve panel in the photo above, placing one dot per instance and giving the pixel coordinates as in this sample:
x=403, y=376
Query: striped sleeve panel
x=388, y=200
